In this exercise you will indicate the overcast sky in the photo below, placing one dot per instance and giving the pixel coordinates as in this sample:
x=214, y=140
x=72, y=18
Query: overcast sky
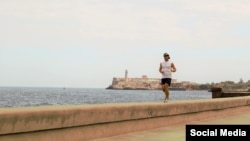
x=85, y=43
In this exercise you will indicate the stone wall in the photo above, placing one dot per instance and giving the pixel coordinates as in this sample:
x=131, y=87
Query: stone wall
x=87, y=122
x=217, y=92
x=135, y=83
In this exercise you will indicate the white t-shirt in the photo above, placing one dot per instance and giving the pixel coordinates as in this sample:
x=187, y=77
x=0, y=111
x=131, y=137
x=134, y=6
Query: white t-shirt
x=166, y=67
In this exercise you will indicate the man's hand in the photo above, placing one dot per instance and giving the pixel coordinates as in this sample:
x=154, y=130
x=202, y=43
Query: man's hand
x=162, y=72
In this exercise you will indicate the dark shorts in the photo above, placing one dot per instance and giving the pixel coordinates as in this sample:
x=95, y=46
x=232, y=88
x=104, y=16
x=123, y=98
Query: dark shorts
x=166, y=81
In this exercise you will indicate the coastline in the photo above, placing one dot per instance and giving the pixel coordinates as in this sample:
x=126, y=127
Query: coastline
x=144, y=88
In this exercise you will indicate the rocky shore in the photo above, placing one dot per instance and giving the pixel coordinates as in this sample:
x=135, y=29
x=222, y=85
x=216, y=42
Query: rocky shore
x=144, y=88
x=143, y=83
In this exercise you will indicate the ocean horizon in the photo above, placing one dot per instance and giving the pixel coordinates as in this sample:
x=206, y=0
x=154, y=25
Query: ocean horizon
x=41, y=96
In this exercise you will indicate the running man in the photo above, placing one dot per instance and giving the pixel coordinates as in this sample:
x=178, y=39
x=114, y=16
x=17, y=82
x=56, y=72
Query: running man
x=166, y=69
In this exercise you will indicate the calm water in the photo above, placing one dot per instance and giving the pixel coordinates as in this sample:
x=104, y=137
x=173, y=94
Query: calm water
x=21, y=96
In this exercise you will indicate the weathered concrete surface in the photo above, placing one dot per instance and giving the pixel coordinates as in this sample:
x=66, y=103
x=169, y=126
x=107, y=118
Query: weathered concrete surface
x=177, y=132
x=217, y=92
x=85, y=122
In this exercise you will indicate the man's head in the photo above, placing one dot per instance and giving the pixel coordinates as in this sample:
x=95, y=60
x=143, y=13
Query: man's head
x=166, y=56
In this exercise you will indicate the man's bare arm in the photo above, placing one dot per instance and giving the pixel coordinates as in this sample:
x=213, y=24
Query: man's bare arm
x=173, y=68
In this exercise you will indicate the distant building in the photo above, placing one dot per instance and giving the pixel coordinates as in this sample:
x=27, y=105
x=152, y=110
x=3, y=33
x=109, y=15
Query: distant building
x=137, y=83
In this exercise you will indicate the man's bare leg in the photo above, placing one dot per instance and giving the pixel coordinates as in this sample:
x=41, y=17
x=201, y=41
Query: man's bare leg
x=166, y=92
x=163, y=89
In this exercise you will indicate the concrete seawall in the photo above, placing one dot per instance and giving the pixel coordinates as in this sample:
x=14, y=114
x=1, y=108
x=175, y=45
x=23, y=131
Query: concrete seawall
x=218, y=92
x=86, y=122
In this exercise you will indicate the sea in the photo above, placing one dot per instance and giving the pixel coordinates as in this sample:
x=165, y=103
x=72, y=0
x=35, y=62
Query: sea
x=41, y=96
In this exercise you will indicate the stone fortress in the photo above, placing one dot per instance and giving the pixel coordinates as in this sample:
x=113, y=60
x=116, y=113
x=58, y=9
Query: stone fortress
x=143, y=83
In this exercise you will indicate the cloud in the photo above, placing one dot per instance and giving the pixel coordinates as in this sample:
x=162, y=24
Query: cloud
x=126, y=24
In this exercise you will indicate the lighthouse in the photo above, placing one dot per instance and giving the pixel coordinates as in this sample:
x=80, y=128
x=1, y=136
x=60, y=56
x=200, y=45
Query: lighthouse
x=126, y=76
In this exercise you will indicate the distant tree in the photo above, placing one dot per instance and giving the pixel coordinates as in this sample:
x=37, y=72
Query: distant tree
x=229, y=82
x=241, y=81
x=204, y=87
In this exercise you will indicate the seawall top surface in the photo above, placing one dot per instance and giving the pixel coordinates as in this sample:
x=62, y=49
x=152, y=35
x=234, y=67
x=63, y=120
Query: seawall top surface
x=25, y=119
x=87, y=106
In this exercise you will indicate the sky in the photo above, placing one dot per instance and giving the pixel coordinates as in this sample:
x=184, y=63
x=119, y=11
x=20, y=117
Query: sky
x=85, y=43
